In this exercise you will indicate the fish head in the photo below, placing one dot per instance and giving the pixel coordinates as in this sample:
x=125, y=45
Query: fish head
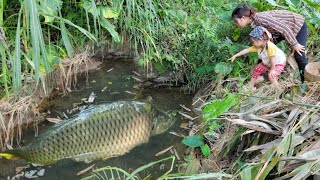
x=161, y=122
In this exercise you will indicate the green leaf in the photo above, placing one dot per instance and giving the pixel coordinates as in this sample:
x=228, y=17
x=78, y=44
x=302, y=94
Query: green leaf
x=283, y=149
x=246, y=173
x=50, y=8
x=4, y=71
x=66, y=39
x=269, y=167
x=204, y=69
x=223, y=68
x=17, y=82
x=108, y=13
x=289, y=3
x=205, y=149
x=274, y=3
x=193, y=141
x=218, y=107
x=90, y=7
x=111, y=28
x=85, y=32
x=236, y=34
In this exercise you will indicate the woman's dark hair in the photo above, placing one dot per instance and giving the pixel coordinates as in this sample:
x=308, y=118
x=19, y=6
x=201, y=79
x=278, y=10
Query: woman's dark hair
x=243, y=10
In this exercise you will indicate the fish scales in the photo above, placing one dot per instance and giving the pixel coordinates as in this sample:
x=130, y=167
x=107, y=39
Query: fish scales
x=101, y=132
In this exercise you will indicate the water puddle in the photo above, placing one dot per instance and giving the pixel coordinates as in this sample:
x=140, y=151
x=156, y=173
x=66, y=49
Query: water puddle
x=112, y=82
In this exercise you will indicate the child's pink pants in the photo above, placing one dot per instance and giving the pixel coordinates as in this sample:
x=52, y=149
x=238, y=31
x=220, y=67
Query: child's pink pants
x=261, y=68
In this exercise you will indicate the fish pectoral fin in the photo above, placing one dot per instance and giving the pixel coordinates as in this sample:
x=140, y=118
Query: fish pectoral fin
x=8, y=156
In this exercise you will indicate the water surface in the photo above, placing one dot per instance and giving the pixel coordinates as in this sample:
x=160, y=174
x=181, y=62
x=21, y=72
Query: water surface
x=115, y=78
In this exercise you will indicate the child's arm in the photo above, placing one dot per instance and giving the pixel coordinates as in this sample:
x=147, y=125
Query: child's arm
x=272, y=71
x=243, y=52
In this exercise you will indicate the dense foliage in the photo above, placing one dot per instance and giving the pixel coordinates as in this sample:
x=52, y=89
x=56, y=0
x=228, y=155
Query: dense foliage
x=193, y=37
x=181, y=36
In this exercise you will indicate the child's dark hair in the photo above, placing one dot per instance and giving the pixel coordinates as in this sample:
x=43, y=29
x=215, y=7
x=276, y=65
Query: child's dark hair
x=243, y=10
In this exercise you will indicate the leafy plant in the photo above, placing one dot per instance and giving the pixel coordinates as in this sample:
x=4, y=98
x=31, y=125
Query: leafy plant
x=193, y=141
x=217, y=107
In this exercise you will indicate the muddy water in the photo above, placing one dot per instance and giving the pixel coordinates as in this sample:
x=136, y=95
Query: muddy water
x=115, y=78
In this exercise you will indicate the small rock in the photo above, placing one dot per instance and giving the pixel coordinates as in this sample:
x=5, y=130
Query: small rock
x=41, y=172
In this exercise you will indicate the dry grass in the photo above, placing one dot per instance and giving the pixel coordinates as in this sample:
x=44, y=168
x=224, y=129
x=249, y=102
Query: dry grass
x=18, y=112
x=271, y=115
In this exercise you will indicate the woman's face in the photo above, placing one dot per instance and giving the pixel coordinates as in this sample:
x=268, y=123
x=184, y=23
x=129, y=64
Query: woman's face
x=241, y=22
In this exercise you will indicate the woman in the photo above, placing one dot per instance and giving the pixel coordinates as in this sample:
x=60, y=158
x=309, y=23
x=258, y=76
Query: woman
x=282, y=24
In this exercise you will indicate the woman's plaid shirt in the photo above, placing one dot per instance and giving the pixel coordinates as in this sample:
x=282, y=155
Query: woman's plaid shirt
x=280, y=23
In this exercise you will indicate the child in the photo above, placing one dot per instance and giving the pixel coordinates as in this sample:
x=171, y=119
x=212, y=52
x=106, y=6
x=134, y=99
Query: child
x=273, y=58
x=282, y=24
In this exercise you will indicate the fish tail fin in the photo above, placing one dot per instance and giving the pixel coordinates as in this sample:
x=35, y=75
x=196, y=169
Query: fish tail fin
x=10, y=154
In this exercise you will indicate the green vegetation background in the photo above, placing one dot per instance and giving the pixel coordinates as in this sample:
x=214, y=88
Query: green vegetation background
x=190, y=37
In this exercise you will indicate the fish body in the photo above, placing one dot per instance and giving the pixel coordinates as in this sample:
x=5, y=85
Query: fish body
x=101, y=132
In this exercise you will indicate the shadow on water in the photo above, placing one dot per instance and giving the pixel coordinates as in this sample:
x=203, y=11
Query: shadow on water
x=115, y=76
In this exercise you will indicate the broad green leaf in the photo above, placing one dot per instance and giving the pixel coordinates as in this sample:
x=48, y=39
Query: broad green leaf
x=218, y=107
x=205, y=69
x=205, y=149
x=50, y=7
x=296, y=2
x=90, y=7
x=66, y=39
x=289, y=3
x=193, y=141
x=272, y=2
x=223, y=68
x=111, y=28
x=108, y=13
x=85, y=32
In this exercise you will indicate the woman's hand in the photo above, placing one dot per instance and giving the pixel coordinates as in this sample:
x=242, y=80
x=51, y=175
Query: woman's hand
x=233, y=58
x=299, y=49
x=272, y=73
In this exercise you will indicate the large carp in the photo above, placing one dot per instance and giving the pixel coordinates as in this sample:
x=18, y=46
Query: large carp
x=101, y=132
